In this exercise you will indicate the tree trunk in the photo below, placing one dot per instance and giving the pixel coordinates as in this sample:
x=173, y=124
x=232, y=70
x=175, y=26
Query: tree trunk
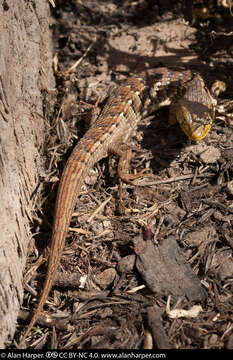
x=25, y=70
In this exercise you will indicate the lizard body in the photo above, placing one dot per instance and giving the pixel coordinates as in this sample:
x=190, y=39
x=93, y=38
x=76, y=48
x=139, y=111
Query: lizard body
x=137, y=97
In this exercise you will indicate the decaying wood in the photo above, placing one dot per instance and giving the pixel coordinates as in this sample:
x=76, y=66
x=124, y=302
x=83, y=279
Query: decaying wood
x=165, y=270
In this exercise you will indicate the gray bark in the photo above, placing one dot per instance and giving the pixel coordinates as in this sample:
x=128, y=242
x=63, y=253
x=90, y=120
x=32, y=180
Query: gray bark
x=25, y=70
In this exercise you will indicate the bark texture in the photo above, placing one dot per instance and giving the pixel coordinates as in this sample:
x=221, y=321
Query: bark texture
x=25, y=70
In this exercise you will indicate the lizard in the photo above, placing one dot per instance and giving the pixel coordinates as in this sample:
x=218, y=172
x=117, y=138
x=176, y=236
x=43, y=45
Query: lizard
x=140, y=95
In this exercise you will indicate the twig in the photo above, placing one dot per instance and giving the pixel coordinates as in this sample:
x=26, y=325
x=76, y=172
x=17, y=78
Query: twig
x=79, y=60
x=173, y=179
x=99, y=209
x=52, y=3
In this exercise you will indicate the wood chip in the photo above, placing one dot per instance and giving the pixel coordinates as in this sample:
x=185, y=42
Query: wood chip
x=166, y=271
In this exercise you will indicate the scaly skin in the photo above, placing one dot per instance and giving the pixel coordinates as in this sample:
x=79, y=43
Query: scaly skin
x=131, y=101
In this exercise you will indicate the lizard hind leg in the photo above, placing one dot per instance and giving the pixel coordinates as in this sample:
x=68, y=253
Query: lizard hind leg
x=125, y=154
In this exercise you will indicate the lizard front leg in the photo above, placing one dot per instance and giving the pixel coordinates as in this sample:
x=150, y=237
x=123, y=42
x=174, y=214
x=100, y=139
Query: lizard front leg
x=125, y=154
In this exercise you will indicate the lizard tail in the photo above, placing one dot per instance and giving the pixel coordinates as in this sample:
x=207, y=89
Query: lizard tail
x=72, y=179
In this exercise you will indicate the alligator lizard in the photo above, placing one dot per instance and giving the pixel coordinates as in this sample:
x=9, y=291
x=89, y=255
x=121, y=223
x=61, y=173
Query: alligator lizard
x=137, y=97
